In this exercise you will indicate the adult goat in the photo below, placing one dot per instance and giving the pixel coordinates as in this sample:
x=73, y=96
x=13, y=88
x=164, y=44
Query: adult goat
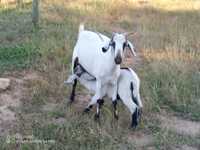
x=101, y=57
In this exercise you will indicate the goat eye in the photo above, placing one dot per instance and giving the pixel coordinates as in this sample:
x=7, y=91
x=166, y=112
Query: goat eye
x=113, y=45
x=124, y=45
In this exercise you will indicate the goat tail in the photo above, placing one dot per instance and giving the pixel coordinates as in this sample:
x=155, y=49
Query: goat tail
x=81, y=27
x=135, y=96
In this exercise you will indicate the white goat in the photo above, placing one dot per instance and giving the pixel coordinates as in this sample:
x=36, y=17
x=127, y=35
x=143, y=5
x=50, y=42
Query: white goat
x=128, y=89
x=101, y=57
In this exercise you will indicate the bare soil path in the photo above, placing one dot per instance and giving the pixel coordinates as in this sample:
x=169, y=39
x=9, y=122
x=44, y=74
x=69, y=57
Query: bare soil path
x=10, y=100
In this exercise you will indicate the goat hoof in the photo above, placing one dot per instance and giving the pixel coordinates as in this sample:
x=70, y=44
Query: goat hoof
x=86, y=110
x=100, y=102
x=96, y=117
x=140, y=113
x=71, y=99
x=135, y=118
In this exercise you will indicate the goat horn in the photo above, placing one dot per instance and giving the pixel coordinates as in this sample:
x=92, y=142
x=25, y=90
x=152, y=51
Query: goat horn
x=130, y=33
x=113, y=34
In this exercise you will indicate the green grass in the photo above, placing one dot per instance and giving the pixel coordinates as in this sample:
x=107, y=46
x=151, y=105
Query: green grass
x=17, y=57
x=167, y=140
x=170, y=86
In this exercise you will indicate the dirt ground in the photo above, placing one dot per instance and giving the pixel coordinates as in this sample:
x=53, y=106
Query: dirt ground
x=10, y=100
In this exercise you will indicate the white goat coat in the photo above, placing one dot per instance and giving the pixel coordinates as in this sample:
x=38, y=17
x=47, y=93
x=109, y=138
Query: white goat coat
x=88, y=49
x=127, y=76
x=101, y=65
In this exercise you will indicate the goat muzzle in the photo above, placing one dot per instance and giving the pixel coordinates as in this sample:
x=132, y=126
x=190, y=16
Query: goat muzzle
x=118, y=60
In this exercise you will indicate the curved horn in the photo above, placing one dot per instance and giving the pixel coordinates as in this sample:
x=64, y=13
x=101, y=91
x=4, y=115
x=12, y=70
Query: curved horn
x=130, y=33
x=113, y=34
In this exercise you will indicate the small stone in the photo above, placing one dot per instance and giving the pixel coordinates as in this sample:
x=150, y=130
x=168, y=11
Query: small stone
x=4, y=83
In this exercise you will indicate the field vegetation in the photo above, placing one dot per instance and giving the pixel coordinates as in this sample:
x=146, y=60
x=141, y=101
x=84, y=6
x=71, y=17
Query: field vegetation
x=168, y=64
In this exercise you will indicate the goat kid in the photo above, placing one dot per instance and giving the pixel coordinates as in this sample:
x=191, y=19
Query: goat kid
x=128, y=87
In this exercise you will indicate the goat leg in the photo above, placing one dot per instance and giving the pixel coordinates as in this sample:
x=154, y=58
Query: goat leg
x=115, y=109
x=99, y=105
x=72, y=96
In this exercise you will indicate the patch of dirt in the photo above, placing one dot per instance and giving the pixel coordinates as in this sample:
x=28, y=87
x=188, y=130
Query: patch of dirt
x=186, y=147
x=49, y=106
x=31, y=76
x=59, y=121
x=140, y=139
x=81, y=100
x=150, y=148
x=10, y=100
x=180, y=126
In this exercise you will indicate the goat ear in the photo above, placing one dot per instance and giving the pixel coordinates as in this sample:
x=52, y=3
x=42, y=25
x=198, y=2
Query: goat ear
x=131, y=47
x=106, y=47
